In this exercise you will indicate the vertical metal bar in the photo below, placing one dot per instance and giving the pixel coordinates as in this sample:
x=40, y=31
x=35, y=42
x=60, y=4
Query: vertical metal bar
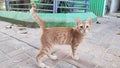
x=55, y=6
x=86, y=5
x=7, y=5
x=71, y=5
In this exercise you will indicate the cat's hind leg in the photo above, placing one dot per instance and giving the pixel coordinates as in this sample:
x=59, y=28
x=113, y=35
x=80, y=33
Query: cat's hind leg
x=45, y=52
x=39, y=59
x=41, y=56
x=52, y=54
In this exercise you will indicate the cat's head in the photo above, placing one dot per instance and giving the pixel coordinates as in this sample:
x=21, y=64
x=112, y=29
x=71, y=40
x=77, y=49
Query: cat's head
x=83, y=26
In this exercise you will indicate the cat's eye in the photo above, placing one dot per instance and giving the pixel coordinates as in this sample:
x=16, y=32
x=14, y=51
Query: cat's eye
x=87, y=26
x=81, y=26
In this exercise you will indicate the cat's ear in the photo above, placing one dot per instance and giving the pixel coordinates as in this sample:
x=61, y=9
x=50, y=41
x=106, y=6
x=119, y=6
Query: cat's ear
x=89, y=20
x=78, y=21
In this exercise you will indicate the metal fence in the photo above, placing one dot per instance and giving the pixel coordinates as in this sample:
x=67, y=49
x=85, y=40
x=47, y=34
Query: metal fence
x=17, y=5
x=57, y=6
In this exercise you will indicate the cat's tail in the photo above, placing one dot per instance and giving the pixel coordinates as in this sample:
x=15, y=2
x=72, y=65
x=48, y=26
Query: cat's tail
x=34, y=15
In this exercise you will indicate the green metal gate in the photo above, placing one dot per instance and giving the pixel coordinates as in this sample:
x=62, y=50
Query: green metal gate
x=96, y=6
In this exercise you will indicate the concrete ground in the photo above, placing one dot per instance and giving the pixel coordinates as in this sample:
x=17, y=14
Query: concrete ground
x=115, y=14
x=100, y=49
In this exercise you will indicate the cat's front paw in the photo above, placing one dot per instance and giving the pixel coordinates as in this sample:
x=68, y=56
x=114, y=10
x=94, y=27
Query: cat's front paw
x=42, y=65
x=54, y=57
x=76, y=57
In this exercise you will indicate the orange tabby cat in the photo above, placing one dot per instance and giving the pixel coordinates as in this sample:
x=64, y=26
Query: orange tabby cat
x=59, y=35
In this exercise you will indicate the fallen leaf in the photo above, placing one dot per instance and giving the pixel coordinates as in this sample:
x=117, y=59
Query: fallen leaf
x=24, y=32
x=23, y=28
x=118, y=33
x=118, y=55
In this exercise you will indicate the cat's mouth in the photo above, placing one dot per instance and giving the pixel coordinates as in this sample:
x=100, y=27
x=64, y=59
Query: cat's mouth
x=83, y=31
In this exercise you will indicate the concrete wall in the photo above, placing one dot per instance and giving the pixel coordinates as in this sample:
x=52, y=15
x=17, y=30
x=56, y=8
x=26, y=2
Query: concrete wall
x=114, y=6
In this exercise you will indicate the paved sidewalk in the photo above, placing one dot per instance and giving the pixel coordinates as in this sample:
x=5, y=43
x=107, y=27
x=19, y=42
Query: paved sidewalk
x=100, y=49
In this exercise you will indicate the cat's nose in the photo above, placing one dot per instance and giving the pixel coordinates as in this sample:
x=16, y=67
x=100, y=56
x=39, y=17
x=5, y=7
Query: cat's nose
x=84, y=31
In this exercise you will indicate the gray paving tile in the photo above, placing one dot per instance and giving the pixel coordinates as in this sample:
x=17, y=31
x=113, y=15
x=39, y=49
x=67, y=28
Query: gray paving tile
x=31, y=52
x=12, y=62
x=3, y=57
x=62, y=64
x=29, y=63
